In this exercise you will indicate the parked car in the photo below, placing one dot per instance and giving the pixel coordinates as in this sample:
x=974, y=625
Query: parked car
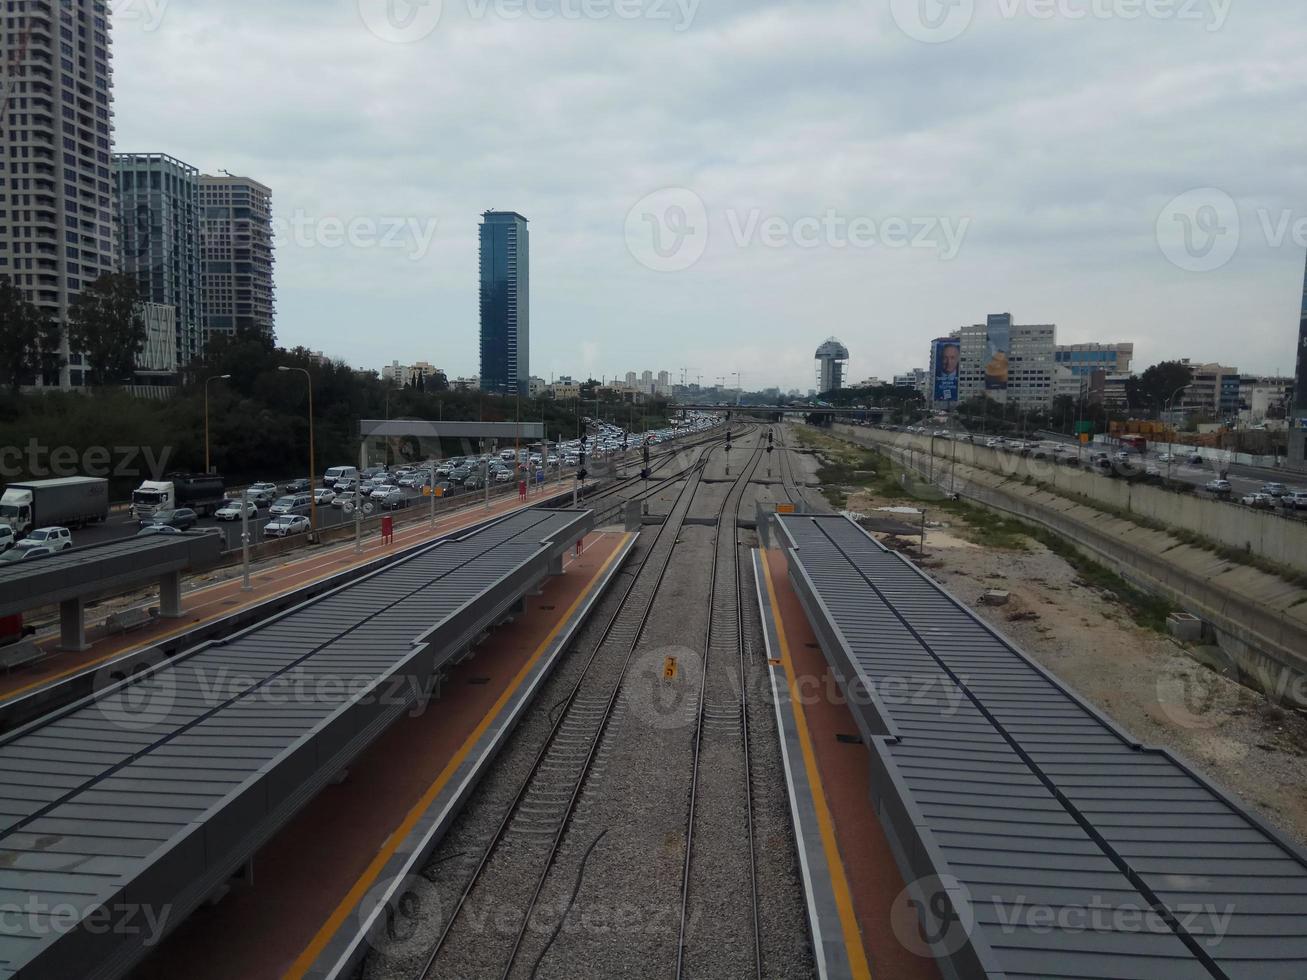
x=1276, y=490
x=298, y=486
x=183, y=519
x=7, y=538
x=285, y=525
x=26, y=552
x=391, y=500
x=54, y=538
x=474, y=482
x=296, y=504
x=1195, y=458
x=262, y=494
x=323, y=496
x=231, y=511
x=1221, y=488
x=1166, y=458
x=1262, y=501
x=1295, y=500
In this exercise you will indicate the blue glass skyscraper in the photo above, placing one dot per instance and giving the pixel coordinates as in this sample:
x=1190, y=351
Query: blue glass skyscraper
x=505, y=303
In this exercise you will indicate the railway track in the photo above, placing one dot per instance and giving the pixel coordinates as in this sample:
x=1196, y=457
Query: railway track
x=722, y=878
x=557, y=834
x=547, y=828
x=514, y=864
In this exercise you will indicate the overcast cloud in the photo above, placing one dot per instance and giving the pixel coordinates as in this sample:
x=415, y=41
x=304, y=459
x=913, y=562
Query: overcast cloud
x=879, y=170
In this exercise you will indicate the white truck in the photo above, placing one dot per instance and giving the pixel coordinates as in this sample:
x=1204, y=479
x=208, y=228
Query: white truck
x=202, y=494
x=69, y=502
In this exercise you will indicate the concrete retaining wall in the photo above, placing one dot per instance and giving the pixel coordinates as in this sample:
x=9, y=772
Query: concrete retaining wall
x=1263, y=533
x=1260, y=620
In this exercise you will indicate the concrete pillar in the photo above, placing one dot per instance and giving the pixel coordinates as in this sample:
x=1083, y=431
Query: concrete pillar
x=556, y=564
x=170, y=596
x=634, y=509
x=72, y=625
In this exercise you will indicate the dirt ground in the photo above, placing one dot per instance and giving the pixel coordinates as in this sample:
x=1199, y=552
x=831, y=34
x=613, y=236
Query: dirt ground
x=1149, y=684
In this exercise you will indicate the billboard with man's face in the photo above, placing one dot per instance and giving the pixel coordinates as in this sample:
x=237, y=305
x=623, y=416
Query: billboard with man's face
x=948, y=358
x=1300, y=379
x=1000, y=342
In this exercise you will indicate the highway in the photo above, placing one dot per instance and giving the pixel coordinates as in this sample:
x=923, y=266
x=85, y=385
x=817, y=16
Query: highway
x=1243, y=479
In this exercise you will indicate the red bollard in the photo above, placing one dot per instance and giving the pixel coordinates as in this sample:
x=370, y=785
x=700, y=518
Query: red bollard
x=388, y=530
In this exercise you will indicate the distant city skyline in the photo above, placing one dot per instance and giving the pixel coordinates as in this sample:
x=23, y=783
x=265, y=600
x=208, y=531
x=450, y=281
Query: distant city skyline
x=1078, y=187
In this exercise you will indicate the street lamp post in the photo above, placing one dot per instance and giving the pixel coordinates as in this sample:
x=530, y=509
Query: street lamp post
x=1170, y=446
x=313, y=498
x=208, y=468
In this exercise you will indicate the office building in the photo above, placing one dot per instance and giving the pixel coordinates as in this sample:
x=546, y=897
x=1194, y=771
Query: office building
x=1007, y=362
x=1213, y=393
x=565, y=389
x=236, y=255
x=156, y=364
x=1297, y=458
x=1083, y=360
x=158, y=205
x=1262, y=398
x=421, y=374
x=505, y=303
x=914, y=379
x=56, y=126
x=1068, y=384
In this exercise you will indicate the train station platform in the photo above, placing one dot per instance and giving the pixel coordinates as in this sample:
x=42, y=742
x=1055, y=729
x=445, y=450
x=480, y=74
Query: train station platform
x=153, y=792
x=1037, y=839
x=379, y=823
x=211, y=611
x=851, y=882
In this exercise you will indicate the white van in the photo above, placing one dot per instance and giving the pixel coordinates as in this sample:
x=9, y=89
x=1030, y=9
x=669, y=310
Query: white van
x=338, y=474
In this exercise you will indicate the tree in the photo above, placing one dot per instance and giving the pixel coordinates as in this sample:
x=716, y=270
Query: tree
x=1153, y=390
x=29, y=340
x=106, y=324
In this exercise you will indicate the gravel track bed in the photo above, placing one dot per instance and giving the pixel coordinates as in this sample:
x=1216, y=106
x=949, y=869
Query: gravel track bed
x=638, y=804
x=782, y=911
x=611, y=903
x=720, y=935
x=402, y=953
x=482, y=935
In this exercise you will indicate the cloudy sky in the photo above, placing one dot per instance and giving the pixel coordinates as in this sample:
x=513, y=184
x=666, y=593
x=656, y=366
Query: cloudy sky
x=718, y=186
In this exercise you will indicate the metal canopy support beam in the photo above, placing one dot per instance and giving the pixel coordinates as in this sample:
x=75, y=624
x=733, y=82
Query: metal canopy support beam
x=72, y=625
x=170, y=596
